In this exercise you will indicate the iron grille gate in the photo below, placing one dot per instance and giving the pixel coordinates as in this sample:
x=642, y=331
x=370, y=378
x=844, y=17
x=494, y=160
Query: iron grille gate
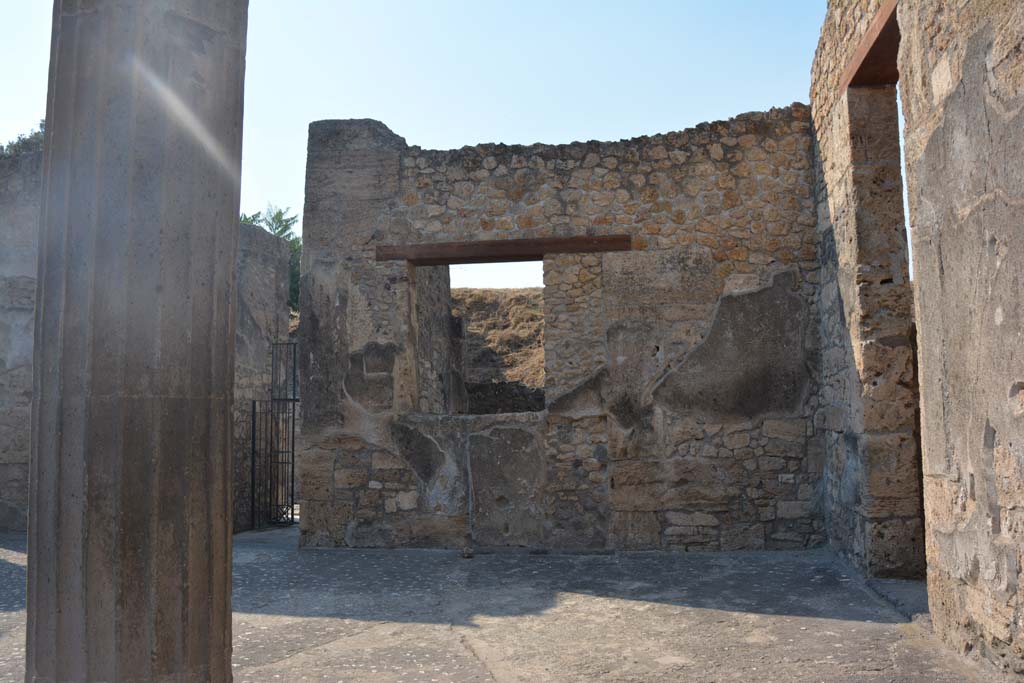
x=273, y=442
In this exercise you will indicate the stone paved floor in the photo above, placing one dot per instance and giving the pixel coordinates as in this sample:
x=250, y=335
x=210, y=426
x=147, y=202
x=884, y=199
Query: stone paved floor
x=425, y=615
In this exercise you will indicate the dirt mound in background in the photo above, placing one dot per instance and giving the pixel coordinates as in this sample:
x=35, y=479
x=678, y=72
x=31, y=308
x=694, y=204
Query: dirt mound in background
x=504, y=334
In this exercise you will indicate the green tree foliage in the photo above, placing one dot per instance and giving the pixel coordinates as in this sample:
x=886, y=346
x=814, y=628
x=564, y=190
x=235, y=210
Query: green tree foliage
x=277, y=222
x=252, y=218
x=294, y=263
x=25, y=144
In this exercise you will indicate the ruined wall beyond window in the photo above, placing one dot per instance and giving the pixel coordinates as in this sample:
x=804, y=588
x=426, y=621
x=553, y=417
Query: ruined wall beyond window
x=501, y=336
x=681, y=376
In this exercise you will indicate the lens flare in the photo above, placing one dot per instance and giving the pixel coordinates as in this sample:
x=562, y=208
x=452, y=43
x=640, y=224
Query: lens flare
x=186, y=118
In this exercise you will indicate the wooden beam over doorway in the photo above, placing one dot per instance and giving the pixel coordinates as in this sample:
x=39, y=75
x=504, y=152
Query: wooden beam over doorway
x=875, y=60
x=497, y=251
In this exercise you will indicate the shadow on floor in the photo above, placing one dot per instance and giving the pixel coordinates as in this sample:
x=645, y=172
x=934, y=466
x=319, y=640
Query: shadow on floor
x=12, y=571
x=271, y=576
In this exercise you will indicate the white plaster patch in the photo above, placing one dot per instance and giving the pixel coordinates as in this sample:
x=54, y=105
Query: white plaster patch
x=742, y=283
x=942, y=81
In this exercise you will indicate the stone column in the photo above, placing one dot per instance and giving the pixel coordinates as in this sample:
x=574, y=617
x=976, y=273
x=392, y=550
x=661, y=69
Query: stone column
x=130, y=506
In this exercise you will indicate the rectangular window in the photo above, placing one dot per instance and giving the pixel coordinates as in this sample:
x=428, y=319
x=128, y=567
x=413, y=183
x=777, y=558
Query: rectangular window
x=500, y=310
x=481, y=351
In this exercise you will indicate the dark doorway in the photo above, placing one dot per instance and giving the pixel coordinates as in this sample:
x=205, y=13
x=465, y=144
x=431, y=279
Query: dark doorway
x=273, y=442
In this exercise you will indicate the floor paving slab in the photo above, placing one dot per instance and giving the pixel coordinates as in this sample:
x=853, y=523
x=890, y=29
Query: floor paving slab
x=421, y=616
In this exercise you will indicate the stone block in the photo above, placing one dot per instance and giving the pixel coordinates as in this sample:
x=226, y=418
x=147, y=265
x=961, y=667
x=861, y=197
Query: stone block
x=736, y=440
x=743, y=537
x=316, y=475
x=351, y=477
x=893, y=468
x=895, y=547
x=634, y=530
x=691, y=536
x=638, y=472
x=383, y=460
x=793, y=509
x=407, y=500
x=832, y=418
x=429, y=530
x=790, y=430
x=644, y=497
x=690, y=519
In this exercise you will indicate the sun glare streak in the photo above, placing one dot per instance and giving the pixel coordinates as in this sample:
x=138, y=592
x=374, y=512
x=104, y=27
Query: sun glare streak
x=184, y=117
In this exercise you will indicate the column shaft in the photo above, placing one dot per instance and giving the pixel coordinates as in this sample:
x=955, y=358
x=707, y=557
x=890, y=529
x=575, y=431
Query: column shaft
x=130, y=514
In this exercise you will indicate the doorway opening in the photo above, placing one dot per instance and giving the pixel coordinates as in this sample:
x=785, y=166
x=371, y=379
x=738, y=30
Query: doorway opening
x=894, y=481
x=272, y=453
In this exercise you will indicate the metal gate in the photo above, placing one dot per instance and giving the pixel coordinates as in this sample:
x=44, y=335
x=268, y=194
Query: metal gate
x=273, y=442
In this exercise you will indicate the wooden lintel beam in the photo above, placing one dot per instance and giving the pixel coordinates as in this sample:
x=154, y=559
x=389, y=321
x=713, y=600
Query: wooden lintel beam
x=874, y=60
x=497, y=251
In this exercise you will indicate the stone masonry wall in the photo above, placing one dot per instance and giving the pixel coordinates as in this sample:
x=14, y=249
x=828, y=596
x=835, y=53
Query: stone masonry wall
x=261, y=318
x=681, y=376
x=437, y=343
x=961, y=69
x=19, y=228
x=962, y=76
x=869, y=416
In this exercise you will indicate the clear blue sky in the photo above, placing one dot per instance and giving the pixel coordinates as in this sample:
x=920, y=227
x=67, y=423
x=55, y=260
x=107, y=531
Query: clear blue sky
x=448, y=73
